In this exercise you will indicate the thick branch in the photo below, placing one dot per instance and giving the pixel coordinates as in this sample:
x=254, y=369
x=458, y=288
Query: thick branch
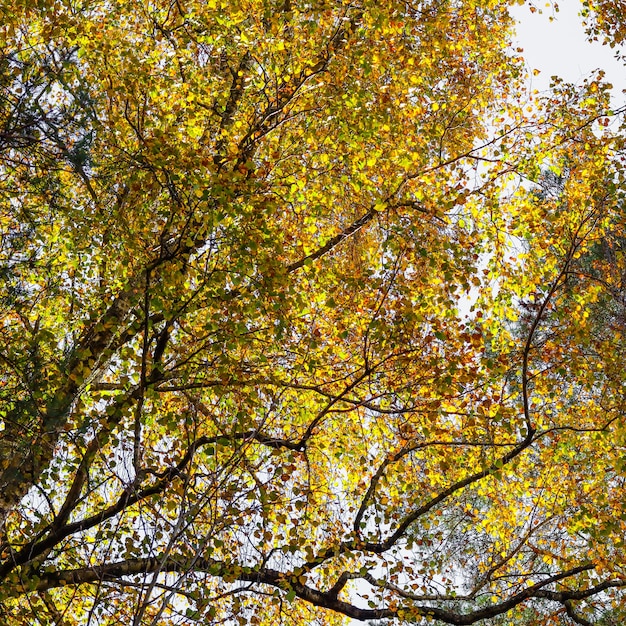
x=118, y=572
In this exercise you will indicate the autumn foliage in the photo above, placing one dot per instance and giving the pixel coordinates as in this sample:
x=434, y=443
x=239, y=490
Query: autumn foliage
x=309, y=311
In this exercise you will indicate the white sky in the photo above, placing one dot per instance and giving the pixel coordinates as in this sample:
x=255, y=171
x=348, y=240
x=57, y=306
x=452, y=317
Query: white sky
x=559, y=47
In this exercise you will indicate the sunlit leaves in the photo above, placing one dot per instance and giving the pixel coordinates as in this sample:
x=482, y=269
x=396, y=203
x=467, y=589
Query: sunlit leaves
x=309, y=311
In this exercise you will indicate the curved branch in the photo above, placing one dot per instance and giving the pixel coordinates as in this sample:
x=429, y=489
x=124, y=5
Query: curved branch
x=383, y=546
x=118, y=572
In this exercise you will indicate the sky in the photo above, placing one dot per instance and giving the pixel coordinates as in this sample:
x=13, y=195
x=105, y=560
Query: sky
x=559, y=47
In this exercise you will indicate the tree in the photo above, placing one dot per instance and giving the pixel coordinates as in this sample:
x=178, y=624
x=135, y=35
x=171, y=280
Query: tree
x=289, y=334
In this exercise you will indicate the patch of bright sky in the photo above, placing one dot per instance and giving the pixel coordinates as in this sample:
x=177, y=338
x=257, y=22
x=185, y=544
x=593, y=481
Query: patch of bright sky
x=559, y=47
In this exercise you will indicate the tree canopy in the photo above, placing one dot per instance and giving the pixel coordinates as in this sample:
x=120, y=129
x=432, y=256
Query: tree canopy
x=310, y=310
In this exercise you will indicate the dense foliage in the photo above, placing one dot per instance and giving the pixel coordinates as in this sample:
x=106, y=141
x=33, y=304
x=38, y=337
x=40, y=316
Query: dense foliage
x=309, y=310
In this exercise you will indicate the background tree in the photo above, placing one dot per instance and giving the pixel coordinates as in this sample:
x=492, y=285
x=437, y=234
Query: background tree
x=263, y=266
